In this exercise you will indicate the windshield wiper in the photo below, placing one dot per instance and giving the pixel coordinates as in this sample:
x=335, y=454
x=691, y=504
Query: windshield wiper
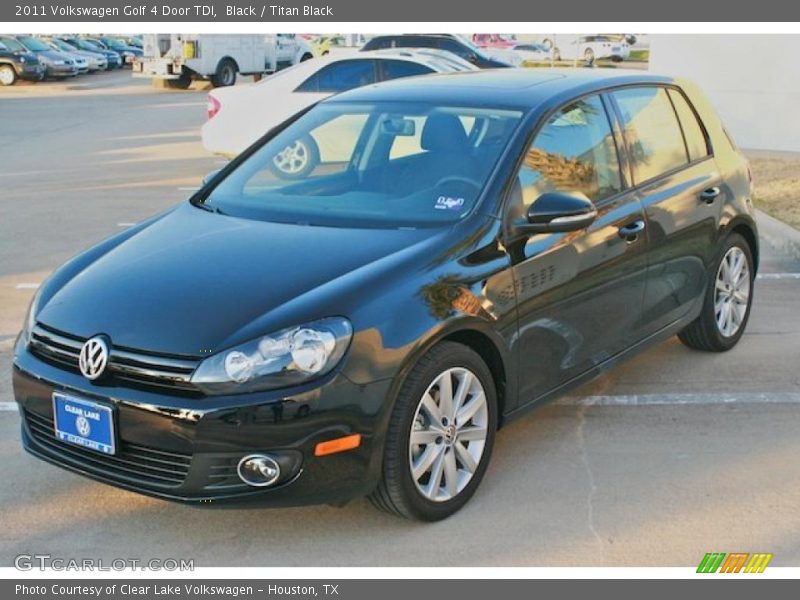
x=208, y=208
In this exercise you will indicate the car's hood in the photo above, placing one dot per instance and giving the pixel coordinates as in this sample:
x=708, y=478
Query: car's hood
x=193, y=282
x=53, y=55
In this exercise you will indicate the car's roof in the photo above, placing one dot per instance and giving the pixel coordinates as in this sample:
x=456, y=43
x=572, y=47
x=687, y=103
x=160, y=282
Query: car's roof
x=510, y=88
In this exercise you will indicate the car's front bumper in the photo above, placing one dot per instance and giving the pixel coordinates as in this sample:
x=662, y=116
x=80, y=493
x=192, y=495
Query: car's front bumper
x=62, y=70
x=31, y=71
x=188, y=448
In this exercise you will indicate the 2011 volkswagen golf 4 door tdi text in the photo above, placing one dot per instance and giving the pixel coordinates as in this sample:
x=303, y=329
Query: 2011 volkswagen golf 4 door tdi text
x=467, y=246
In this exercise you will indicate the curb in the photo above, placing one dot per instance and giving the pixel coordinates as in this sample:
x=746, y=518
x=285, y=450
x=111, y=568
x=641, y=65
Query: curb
x=779, y=235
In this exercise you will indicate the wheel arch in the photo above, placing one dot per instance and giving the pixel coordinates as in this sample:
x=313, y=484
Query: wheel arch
x=745, y=227
x=482, y=339
x=223, y=59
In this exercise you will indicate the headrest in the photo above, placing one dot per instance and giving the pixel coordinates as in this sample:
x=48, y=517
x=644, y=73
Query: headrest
x=443, y=131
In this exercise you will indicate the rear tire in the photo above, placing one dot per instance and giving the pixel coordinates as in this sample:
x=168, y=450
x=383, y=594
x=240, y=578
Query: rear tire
x=182, y=83
x=8, y=76
x=448, y=448
x=225, y=75
x=726, y=308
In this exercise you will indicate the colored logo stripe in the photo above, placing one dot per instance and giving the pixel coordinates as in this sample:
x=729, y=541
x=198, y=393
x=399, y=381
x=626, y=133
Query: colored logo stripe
x=758, y=563
x=734, y=563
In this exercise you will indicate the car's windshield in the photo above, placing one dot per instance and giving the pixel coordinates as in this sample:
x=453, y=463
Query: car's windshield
x=370, y=165
x=87, y=45
x=60, y=45
x=13, y=45
x=34, y=44
x=114, y=43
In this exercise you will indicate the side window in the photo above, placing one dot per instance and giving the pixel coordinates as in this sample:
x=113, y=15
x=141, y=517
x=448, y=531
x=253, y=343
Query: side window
x=652, y=131
x=340, y=76
x=394, y=69
x=573, y=153
x=692, y=131
x=378, y=44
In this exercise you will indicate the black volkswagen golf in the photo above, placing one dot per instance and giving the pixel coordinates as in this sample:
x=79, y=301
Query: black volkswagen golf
x=468, y=246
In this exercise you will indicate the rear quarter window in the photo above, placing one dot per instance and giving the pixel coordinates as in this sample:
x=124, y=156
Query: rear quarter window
x=395, y=69
x=693, y=131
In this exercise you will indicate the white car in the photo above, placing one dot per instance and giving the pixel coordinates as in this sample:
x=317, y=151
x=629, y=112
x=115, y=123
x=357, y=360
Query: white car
x=506, y=55
x=532, y=53
x=240, y=115
x=593, y=47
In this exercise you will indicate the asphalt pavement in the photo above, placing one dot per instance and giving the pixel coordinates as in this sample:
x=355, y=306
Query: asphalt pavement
x=673, y=454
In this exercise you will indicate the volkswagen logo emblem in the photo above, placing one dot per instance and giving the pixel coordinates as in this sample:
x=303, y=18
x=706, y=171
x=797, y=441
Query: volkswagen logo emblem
x=93, y=358
x=83, y=427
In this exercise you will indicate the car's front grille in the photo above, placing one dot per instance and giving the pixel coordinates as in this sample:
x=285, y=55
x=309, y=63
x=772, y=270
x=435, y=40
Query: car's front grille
x=133, y=463
x=123, y=364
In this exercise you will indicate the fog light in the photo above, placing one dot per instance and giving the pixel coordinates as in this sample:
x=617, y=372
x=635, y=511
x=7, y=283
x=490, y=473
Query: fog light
x=258, y=470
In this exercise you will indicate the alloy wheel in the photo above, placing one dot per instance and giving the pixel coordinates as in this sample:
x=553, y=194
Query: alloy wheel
x=7, y=75
x=448, y=434
x=732, y=292
x=292, y=159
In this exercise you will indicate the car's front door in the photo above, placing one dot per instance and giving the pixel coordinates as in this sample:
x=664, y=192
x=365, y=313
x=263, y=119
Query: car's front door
x=579, y=294
x=682, y=195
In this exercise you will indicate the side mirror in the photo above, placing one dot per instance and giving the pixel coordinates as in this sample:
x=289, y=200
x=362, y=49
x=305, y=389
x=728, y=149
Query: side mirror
x=210, y=176
x=473, y=58
x=555, y=212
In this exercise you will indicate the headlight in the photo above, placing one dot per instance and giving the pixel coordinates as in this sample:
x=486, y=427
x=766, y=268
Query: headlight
x=22, y=59
x=30, y=317
x=288, y=357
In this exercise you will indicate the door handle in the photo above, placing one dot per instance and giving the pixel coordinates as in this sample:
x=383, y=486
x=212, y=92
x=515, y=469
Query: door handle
x=631, y=231
x=708, y=196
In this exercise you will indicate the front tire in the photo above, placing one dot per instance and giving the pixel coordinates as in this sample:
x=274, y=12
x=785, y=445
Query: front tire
x=440, y=435
x=726, y=308
x=8, y=76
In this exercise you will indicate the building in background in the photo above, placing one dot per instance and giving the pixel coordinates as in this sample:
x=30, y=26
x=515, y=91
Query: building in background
x=753, y=80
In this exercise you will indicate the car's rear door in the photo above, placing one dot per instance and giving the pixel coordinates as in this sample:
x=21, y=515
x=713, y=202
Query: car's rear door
x=579, y=294
x=679, y=186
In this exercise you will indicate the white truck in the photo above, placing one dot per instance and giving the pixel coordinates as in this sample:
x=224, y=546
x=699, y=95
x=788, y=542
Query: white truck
x=179, y=58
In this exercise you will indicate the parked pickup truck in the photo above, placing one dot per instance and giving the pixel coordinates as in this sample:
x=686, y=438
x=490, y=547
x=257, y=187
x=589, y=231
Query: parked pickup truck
x=180, y=58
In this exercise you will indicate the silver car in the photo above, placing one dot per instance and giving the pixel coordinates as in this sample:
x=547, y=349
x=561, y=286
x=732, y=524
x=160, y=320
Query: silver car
x=85, y=61
x=97, y=61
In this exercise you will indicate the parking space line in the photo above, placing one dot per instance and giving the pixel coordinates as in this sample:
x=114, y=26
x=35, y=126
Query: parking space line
x=27, y=286
x=124, y=224
x=682, y=399
x=778, y=276
x=8, y=407
x=188, y=189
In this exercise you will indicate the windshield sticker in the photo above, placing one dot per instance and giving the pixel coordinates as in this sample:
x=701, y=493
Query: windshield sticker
x=448, y=203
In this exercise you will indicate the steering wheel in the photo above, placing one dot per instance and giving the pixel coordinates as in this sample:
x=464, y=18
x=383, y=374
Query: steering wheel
x=459, y=179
